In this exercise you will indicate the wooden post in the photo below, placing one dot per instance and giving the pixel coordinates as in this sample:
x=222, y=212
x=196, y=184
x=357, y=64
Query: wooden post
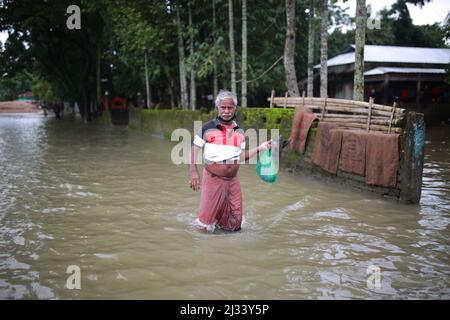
x=303, y=98
x=392, y=116
x=370, y=113
x=271, y=98
x=324, y=107
x=411, y=158
x=285, y=99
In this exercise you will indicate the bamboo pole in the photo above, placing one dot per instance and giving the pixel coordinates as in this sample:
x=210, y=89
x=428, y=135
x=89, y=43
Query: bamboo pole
x=342, y=109
x=285, y=99
x=358, y=104
x=354, y=116
x=385, y=122
x=330, y=101
x=271, y=98
x=331, y=107
x=363, y=126
x=324, y=107
x=350, y=108
x=392, y=116
x=370, y=113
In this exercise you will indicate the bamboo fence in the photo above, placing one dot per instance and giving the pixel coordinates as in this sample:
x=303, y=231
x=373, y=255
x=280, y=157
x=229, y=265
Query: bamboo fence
x=348, y=113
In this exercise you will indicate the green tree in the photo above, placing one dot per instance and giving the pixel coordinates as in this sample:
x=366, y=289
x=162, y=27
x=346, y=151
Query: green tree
x=12, y=85
x=43, y=91
x=65, y=58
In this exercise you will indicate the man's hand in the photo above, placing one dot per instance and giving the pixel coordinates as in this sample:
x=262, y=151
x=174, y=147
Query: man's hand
x=194, y=180
x=266, y=145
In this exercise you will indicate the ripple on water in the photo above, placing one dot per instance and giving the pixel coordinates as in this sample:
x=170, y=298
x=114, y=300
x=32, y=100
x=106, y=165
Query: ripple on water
x=338, y=214
x=107, y=256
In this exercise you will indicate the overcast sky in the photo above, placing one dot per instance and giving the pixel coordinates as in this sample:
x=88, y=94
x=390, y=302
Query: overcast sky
x=432, y=12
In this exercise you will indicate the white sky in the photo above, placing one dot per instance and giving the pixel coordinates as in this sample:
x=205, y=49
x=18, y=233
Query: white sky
x=432, y=12
x=3, y=36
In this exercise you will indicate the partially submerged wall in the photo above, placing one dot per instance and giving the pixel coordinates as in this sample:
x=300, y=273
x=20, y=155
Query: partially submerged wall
x=163, y=122
x=409, y=176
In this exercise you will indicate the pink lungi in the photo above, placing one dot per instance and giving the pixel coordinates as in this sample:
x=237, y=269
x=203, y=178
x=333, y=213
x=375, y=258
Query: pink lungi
x=220, y=203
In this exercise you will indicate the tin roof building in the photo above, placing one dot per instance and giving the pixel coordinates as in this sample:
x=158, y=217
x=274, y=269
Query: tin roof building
x=411, y=76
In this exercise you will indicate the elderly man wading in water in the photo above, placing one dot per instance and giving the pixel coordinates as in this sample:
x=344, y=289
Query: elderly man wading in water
x=223, y=143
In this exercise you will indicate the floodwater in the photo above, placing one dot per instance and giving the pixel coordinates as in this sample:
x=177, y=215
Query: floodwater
x=110, y=202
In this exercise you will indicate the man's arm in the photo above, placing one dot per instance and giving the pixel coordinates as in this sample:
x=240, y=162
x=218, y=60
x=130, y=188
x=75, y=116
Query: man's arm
x=247, y=154
x=194, y=177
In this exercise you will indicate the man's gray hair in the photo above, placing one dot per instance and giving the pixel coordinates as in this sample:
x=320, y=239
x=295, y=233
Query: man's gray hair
x=224, y=95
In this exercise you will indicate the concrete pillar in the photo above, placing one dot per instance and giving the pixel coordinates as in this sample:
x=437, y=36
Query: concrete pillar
x=411, y=158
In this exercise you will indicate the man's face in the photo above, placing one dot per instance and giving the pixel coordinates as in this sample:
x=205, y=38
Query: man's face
x=226, y=109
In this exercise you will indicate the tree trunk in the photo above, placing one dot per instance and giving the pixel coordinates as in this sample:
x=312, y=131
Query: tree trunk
x=193, y=101
x=98, y=76
x=172, y=95
x=244, y=55
x=289, y=50
x=232, y=53
x=324, y=51
x=86, y=86
x=147, y=83
x=183, y=82
x=84, y=106
x=311, y=50
x=360, y=39
x=215, y=80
